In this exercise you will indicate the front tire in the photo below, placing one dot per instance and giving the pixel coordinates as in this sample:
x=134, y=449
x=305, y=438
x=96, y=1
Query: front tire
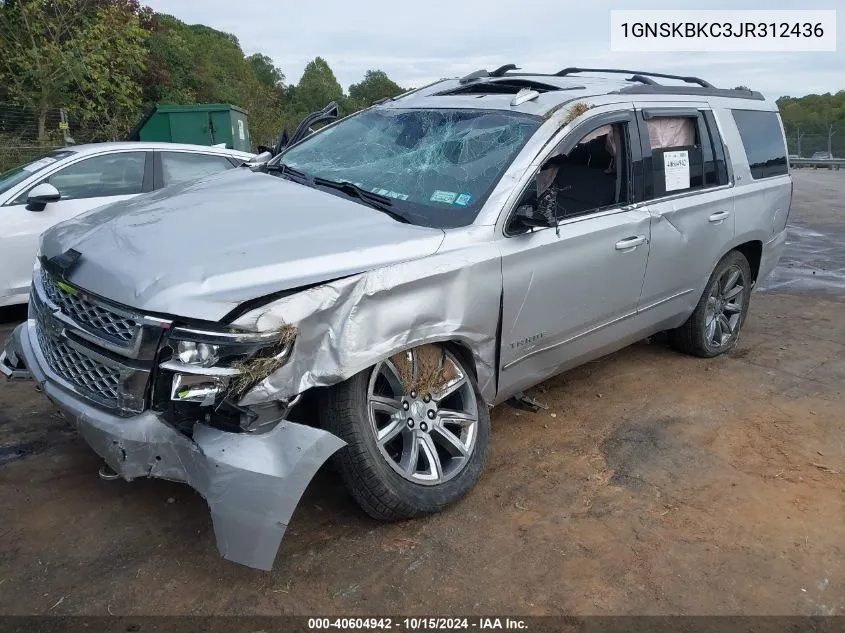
x=417, y=432
x=714, y=326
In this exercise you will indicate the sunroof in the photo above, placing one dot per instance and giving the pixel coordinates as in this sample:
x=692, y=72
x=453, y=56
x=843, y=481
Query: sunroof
x=504, y=87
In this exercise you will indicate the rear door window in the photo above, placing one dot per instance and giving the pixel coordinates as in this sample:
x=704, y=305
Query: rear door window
x=763, y=141
x=182, y=166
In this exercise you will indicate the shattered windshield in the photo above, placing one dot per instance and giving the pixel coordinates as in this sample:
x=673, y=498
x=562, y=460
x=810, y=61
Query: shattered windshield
x=437, y=166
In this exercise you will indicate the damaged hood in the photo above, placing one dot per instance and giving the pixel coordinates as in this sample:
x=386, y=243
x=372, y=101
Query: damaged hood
x=202, y=248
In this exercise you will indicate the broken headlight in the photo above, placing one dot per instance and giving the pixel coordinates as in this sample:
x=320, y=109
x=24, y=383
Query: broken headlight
x=207, y=365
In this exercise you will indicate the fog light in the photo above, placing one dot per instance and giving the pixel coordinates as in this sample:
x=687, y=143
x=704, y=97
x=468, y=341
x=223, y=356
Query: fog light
x=196, y=388
x=192, y=353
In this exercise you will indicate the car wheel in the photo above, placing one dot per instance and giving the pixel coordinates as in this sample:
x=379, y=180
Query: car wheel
x=714, y=326
x=417, y=432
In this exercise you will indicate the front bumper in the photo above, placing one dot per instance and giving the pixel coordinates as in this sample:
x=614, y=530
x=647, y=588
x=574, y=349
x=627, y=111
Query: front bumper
x=251, y=482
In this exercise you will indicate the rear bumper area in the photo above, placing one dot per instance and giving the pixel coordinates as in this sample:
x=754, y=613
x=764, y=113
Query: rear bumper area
x=251, y=482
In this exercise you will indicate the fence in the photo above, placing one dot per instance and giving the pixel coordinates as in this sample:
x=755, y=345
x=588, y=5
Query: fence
x=805, y=142
x=24, y=136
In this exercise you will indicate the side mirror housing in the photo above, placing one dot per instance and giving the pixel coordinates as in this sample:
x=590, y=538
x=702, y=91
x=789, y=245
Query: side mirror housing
x=261, y=158
x=41, y=195
x=528, y=216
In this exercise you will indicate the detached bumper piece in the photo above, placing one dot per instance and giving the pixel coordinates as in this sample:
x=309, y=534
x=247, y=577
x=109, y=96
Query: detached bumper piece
x=251, y=482
x=11, y=365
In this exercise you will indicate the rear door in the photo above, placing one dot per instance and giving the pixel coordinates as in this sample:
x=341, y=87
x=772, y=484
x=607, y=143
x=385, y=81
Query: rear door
x=84, y=184
x=689, y=195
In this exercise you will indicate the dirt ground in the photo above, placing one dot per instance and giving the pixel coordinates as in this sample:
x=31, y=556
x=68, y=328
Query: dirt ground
x=655, y=484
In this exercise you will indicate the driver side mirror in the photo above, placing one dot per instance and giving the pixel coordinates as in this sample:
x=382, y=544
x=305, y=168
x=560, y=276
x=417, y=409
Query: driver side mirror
x=528, y=214
x=260, y=159
x=41, y=195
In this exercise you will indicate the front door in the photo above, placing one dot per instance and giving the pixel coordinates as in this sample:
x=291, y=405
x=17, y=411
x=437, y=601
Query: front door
x=569, y=293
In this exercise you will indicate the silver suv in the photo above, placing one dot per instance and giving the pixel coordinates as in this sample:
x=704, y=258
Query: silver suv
x=373, y=290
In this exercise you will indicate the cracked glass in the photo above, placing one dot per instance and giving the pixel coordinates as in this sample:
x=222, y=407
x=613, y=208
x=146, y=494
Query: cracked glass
x=437, y=165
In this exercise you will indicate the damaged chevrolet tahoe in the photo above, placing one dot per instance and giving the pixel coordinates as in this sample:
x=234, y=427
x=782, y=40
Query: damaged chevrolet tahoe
x=370, y=292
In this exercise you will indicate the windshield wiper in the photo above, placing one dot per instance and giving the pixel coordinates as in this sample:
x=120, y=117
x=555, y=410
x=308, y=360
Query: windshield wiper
x=374, y=200
x=285, y=170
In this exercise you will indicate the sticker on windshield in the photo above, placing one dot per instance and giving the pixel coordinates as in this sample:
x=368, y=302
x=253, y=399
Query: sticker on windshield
x=447, y=197
x=463, y=199
x=39, y=164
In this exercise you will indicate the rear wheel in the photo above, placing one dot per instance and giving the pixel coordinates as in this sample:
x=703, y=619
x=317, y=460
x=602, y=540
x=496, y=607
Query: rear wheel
x=416, y=429
x=714, y=326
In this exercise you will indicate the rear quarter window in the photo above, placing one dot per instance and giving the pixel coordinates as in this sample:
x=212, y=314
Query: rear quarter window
x=763, y=141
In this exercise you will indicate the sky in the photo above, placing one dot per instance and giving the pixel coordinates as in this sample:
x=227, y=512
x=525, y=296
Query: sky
x=418, y=41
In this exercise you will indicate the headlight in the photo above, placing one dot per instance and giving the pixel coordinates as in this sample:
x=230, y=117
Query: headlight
x=193, y=353
x=210, y=363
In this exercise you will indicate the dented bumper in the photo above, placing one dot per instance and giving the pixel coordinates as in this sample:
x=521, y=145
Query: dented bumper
x=251, y=482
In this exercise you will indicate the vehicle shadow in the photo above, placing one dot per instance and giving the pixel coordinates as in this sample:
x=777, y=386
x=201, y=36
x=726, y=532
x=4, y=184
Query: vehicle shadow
x=12, y=315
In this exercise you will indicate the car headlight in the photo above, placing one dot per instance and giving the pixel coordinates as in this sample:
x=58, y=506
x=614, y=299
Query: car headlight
x=193, y=353
x=206, y=364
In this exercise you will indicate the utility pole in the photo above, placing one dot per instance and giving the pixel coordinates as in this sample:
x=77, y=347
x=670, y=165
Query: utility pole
x=830, y=134
x=799, y=140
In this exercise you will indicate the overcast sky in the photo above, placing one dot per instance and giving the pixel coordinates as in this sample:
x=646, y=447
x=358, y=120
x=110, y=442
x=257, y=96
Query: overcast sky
x=416, y=42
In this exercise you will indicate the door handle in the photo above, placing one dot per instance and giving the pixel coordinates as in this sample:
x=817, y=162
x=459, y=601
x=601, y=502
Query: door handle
x=719, y=216
x=630, y=242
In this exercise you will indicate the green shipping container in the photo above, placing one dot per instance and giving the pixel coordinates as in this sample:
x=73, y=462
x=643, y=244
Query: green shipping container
x=199, y=124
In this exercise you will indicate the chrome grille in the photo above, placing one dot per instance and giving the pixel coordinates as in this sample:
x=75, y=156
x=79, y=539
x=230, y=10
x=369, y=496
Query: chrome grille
x=97, y=379
x=106, y=322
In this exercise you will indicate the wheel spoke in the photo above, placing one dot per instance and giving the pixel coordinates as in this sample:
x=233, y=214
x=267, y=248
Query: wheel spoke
x=733, y=292
x=449, y=441
x=410, y=454
x=393, y=376
x=391, y=430
x=384, y=404
x=733, y=307
x=711, y=331
x=733, y=277
x=461, y=418
x=734, y=321
x=450, y=387
x=725, y=325
x=427, y=446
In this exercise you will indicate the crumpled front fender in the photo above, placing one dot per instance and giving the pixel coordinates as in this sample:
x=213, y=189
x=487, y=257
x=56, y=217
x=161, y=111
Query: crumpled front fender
x=348, y=325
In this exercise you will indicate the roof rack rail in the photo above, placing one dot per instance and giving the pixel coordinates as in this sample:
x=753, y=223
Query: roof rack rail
x=730, y=93
x=635, y=73
x=643, y=80
x=478, y=74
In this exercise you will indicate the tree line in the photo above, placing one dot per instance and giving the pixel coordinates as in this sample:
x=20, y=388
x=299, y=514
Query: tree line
x=106, y=61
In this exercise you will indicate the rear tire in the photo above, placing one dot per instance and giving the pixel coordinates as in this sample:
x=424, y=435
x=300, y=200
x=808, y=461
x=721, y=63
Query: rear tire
x=714, y=326
x=417, y=432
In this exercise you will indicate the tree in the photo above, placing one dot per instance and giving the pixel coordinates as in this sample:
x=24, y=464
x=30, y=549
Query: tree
x=113, y=46
x=317, y=87
x=265, y=71
x=77, y=53
x=375, y=85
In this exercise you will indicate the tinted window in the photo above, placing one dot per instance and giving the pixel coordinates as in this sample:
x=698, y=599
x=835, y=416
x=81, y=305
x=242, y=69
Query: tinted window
x=182, y=166
x=117, y=174
x=763, y=141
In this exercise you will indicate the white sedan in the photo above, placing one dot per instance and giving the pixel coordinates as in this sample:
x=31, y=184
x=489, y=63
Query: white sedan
x=72, y=180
